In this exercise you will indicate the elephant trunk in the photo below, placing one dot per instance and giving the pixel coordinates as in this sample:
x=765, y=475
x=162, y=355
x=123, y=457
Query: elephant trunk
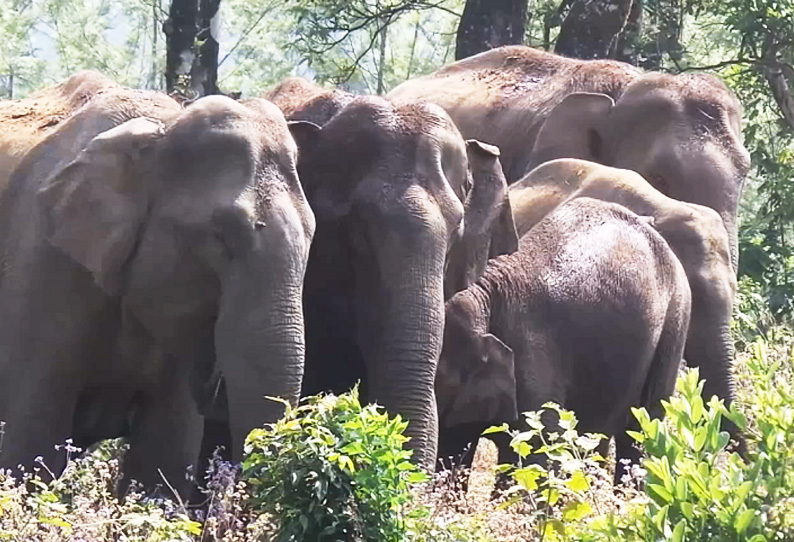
x=259, y=340
x=710, y=348
x=733, y=238
x=402, y=342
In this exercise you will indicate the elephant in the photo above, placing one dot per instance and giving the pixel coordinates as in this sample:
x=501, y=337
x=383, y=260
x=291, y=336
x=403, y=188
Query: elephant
x=147, y=249
x=26, y=122
x=489, y=229
x=696, y=234
x=591, y=313
x=300, y=99
x=389, y=185
x=680, y=132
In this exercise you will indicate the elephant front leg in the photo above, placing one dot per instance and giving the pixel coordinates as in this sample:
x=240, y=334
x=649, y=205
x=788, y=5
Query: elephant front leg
x=38, y=417
x=165, y=436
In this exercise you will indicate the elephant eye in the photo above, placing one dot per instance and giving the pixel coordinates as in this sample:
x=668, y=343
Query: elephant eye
x=233, y=230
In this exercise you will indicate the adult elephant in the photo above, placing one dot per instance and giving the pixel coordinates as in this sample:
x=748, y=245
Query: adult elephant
x=144, y=248
x=680, y=132
x=26, y=122
x=302, y=100
x=590, y=313
x=489, y=229
x=388, y=183
x=695, y=233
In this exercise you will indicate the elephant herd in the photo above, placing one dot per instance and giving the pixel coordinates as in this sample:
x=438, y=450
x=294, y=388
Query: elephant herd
x=515, y=228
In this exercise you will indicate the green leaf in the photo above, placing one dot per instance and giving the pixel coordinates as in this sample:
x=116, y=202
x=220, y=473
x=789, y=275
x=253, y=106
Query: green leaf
x=639, y=437
x=527, y=476
x=688, y=509
x=679, y=531
x=660, y=494
x=576, y=510
x=496, y=429
x=744, y=520
x=578, y=482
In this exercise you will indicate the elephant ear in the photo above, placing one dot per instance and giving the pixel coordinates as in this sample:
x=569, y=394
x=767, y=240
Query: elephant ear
x=573, y=129
x=305, y=133
x=94, y=206
x=489, y=229
x=489, y=393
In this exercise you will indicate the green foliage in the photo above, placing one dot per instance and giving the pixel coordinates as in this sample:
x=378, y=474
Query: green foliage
x=332, y=469
x=81, y=505
x=556, y=471
x=371, y=45
x=752, y=317
x=694, y=487
x=698, y=491
x=19, y=67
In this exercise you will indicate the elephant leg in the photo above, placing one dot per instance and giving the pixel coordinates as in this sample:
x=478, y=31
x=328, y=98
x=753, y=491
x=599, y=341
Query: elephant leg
x=217, y=438
x=48, y=351
x=36, y=422
x=627, y=453
x=165, y=437
x=456, y=447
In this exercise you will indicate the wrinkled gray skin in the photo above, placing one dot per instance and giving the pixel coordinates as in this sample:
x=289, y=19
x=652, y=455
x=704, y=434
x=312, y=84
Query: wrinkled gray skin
x=696, y=234
x=680, y=132
x=591, y=313
x=388, y=183
x=146, y=248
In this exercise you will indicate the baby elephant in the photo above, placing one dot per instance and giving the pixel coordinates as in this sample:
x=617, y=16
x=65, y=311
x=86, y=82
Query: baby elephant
x=591, y=313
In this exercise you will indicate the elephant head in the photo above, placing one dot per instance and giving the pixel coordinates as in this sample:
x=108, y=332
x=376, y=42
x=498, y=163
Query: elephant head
x=386, y=182
x=476, y=380
x=302, y=100
x=489, y=229
x=682, y=133
x=197, y=222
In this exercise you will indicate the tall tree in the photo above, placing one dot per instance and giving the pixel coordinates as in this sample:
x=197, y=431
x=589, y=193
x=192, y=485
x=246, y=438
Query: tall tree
x=192, y=47
x=653, y=33
x=19, y=66
x=349, y=41
x=591, y=28
x=486, y=24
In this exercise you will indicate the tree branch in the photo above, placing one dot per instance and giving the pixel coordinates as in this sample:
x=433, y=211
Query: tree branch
x=245, y=34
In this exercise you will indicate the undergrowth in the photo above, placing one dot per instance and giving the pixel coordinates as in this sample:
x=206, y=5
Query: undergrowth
x=334, y=469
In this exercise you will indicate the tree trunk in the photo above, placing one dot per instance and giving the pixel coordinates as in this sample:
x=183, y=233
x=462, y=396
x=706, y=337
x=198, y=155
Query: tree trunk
x=191, y=47
x=591, y=28
x=204, y=78
x=486, y=24
x=180, y=34
x=382, y=57
x=629, y=41
x=153, y=73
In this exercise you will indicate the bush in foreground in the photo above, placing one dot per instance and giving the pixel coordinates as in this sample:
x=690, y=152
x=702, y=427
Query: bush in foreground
x=333, y=469
x=694, y=488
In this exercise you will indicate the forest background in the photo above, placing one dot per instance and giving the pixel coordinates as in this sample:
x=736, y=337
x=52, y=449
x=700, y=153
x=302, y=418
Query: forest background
x=198, y=47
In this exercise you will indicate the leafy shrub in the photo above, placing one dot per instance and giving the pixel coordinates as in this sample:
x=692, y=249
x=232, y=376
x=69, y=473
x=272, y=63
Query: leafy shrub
x=332, y=469
x=81, y=505
x=694, y=488
x=752, y=316
x=561, y=479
